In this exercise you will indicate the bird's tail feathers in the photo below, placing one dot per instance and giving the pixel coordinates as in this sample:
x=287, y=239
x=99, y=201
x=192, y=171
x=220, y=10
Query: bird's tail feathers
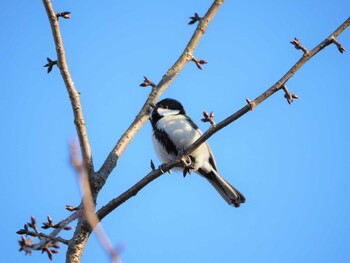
x=231, y=195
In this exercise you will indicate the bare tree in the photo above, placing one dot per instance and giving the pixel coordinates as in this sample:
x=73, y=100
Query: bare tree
x=93, y=180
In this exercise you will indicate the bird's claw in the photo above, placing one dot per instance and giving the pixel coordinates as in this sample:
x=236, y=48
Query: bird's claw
x=187, y=163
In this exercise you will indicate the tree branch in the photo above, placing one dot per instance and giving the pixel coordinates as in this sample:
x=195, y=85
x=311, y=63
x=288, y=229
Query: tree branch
x=48, y=237
x=82, y=231
x=132, y=191
x=306, y=56
x=72, y=92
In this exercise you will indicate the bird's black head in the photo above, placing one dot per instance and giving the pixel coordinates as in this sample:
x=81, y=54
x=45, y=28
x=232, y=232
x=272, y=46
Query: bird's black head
x=171, y=104
x=166, y=107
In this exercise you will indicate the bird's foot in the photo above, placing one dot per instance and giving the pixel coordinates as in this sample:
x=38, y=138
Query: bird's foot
x=187, y=163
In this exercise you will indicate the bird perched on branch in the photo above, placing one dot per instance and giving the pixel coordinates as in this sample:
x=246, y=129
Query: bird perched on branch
x=173, y=133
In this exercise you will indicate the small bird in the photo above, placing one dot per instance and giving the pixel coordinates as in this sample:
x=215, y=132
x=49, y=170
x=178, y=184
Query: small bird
x=174, y=132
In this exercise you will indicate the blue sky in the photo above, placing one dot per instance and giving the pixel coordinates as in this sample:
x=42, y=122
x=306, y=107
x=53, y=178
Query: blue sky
x=290, y=162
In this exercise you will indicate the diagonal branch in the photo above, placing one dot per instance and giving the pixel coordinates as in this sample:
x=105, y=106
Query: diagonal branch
x=157, y=91
x=72, y=92
x=132, y=191
x=306, y=56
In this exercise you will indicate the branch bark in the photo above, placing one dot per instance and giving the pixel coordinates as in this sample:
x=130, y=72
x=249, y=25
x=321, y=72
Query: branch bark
x=82, y=231
x=72, y=92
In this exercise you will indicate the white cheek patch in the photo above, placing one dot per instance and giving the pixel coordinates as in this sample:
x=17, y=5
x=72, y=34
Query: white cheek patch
x=166, y=112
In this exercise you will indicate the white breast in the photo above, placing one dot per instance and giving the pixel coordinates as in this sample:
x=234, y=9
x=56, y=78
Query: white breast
x=179, y=130
x=183, y=135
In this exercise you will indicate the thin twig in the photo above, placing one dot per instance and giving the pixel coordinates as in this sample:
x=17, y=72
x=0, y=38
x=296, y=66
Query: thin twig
x=47, y=243
x=48, y=237
x=65, y=15
x=289, y=96
x=199, y=62
x=194, y=19
x=279, y=84
x=147, y=82
x=339, y=46
x=296, y=43
x=208, y=117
